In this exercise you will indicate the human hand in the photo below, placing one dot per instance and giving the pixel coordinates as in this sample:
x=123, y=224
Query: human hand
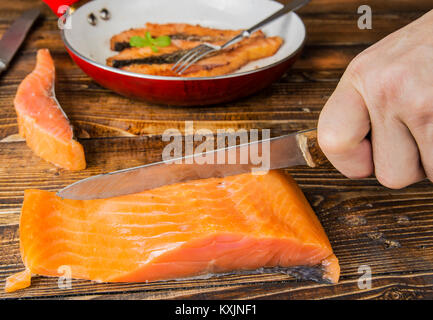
x=387, y=89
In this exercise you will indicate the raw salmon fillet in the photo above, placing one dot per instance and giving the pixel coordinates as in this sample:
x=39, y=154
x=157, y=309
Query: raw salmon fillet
x=41, y=120
x=195, y=228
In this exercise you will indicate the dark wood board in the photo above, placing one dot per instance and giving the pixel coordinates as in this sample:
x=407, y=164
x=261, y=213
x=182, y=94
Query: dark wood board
x=389, y=230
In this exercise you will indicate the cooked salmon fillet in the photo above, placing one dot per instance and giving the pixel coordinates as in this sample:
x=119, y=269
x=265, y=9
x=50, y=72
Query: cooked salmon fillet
x=170, y=54
x=41, y=120
x=176, y=31
x=227, y=61
x=183, y=38
x=183, y=230
x=145, y=55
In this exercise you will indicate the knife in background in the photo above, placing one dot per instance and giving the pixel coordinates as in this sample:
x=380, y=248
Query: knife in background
x=300, y=148
x=14, y=37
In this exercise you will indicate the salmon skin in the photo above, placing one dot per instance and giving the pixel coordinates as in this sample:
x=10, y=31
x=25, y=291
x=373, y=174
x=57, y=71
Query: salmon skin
x=225, y=62
x=170, y=54
x=41, y=120
x=176, y=31
x=145, y=55
x=185, y=37
x=212, y=226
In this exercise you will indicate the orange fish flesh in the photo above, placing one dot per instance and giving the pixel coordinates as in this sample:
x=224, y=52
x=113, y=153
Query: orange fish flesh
x=200, y=227
x=41, y=120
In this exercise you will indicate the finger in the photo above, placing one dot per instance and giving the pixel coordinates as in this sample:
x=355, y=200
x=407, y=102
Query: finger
x=424, y=138
x=416, y=113
x=343, y=125
x=395, y=153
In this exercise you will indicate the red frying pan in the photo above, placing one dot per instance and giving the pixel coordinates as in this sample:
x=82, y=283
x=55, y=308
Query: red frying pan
x=87, y=29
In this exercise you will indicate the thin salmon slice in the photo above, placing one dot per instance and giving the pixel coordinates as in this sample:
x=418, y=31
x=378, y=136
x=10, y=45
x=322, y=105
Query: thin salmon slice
x=185, y=37
x=170, y=54
x=18, y=281
x=176, y=31
x=41, y=120
x=145, y=55
x=200, y=227
x=224, y=62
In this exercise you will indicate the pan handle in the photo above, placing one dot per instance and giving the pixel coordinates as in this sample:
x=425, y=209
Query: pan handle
x=59, y=6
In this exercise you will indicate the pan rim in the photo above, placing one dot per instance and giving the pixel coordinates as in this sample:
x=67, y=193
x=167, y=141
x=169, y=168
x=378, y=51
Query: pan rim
x=171, y=78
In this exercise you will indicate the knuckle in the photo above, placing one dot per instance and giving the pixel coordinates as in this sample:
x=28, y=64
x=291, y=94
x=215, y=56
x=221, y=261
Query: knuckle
x=331, y=141
x=358, y=66
x=361, y=172
x=429, y=176
x=427, y=168
x=386, y=89
x=390, y=83
x=419, y=113
x=356, y=175
x=390, y=181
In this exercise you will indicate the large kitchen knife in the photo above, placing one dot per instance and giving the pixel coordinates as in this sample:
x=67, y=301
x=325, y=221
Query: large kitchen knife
x=295, y=149
x=15, y=35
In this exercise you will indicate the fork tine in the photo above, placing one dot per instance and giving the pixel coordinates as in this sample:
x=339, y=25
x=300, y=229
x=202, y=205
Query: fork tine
x=186, y=56
x=197, y=58
x=181, y=59
x=190, y=57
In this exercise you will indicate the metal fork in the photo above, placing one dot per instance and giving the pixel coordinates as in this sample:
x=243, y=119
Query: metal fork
x=204, y=49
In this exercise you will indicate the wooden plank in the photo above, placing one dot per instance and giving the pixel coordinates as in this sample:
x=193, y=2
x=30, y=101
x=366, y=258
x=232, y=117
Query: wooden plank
x=377, y=6
x=331, y=29
x=12, y=9
x=292, y=104
x=342, y=29
x=314, y=58
x=314, y=61
x=416, y=286
x=319, y=63
x=101, y=115
x=394, y=287
x=389, y=230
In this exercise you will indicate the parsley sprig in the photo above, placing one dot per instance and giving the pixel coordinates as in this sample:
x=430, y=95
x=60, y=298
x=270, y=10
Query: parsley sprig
x=148, y=41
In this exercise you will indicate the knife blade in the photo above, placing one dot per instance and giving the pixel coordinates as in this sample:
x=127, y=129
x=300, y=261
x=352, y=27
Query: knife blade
x=15, y=35
x=299, y=148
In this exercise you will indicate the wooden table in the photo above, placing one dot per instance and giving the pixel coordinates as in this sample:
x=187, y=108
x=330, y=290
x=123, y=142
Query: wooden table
x=390, y=231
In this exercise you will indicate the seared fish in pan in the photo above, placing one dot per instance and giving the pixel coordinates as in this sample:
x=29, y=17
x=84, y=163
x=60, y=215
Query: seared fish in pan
x=183, y=38
x=176, y=31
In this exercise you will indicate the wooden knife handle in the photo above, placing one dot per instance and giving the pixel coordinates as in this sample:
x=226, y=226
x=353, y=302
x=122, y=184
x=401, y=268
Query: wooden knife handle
x=311, y=151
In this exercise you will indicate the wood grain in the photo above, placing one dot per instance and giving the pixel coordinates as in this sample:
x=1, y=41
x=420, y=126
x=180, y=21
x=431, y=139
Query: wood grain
x=391, y=231
x=12, y=9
